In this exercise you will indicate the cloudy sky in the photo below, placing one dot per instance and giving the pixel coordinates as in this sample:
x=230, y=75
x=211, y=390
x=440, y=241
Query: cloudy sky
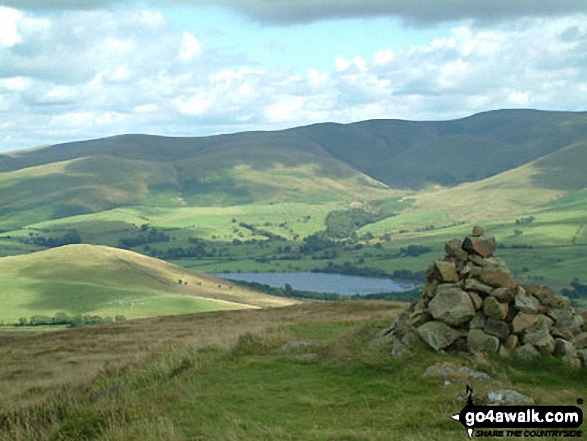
x=72, y=69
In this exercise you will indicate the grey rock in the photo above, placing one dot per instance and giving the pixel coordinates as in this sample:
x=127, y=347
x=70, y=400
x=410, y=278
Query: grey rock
x=438, y=335
x=504, y=295
x=581, y=340
x=451, y=305
x=479, y=341
x=475, y=285
x=498, y=328
x=563, y=348
x=541, y=340
x=476, y=299
x=477, y=322
x=447, y=271
x=498, y=277
x=398, y=349
x=547, y=297
x=452, y=247
x=524, y=321
x=478, y=231
x=526, y=303
x=566, y=317
x=508, y=397
x=582, y=354
x=494, y=309
x=483, y=246
x=511, y=342
x=527, y=352
x=429, y=289
x=445, y=371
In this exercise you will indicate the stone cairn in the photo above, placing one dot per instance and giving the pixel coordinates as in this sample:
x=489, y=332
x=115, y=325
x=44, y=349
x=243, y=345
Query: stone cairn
x=472, y=303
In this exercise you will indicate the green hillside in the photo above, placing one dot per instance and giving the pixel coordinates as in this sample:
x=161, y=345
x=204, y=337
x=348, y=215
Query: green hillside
x=104, y=281
x=229, y=177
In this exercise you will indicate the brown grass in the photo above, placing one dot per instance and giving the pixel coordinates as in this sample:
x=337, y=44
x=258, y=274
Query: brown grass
x=33, y=364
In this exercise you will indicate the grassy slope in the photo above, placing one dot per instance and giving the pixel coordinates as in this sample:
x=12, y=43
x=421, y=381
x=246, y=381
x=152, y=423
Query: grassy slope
x=225, y=375
x=105, y=281
x=95, y=184
x=522, y=190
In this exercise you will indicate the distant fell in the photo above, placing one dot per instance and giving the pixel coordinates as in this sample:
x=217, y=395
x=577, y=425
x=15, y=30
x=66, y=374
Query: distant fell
x=401, y=154
x=318, y=164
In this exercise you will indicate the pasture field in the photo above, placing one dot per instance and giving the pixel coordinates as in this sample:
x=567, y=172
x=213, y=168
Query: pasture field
x=241, y=375
x=97, y=280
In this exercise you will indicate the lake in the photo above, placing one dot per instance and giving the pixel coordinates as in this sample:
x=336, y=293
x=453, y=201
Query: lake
x=321, y=282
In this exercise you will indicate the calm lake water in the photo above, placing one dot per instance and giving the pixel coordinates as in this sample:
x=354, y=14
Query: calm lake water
x=320, y=282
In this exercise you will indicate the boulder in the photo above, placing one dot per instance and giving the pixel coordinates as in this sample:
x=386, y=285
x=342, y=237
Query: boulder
x=541, y=340
x=483, y=246
x=508, y=397
x=547, y=297
x=475, y=285
x=498, y=277
x=498, y=328
x=563, y=348
x=476, y=299
x=479, y=341
x=526, y=303
x=494, y=309
x=581, y=341
x=527, y=352
x=451, y=305
x=447, y=371
x=478, y=322
x=452, y=247
x=504, y=295
x=438, y=335
x=447, y=271
x=566, y=317
x=523, y=321
x=511, y=342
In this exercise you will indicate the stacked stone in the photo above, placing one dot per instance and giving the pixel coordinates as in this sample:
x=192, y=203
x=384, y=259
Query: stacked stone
x=471, y=302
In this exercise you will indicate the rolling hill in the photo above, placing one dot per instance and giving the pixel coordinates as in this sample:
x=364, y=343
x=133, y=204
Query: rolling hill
x=104, y=281
x=318, y=164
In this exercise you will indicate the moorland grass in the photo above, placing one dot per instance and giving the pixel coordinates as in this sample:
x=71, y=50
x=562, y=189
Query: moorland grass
x=251, y=383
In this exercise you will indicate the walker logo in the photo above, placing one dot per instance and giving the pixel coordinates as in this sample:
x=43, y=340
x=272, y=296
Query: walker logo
x=520, y=421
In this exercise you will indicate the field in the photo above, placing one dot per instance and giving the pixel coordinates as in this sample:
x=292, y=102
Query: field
x=159, y=378
x=97, y=280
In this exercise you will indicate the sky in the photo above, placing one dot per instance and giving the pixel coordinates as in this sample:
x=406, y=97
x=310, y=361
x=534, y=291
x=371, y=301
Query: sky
x=73, y=70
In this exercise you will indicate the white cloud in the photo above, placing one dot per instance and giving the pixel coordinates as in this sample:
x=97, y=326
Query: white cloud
x=9, y=19
x=190, y=47
x=86, y=74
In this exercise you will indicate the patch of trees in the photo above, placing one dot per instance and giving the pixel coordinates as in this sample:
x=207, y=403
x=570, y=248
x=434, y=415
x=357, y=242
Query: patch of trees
x=288, y=291
x=70, y=237
x=349, y=270
x=576, y=291
x=146, y=236
x=260, y=232
x=317, y=242
x=414, y=250
x=63, y=319
x=343, y=223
